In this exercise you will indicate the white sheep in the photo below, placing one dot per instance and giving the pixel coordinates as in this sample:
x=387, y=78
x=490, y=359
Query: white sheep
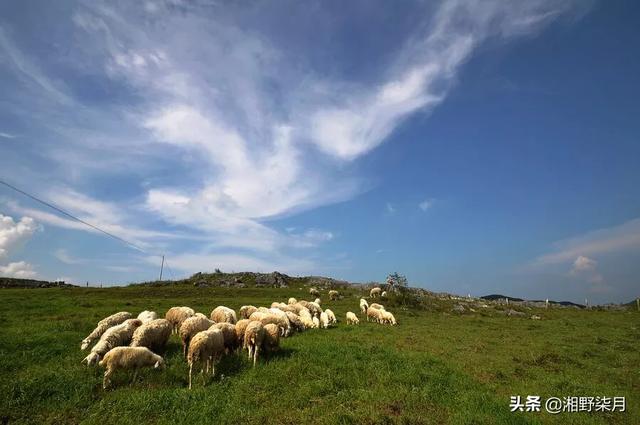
x=316, y=323
x=271, y=340
x=318, y=301
x=241, y=327
x=206, y=348
x=223, y=314
x=253, y=340
x=295, y=321
x=147, y=316
x=247, y=310
x=153, y=335
x=292, y=301
x=115, y=336
x=229, y=334
x=384, y=294
x=331, y=317
x=315, y=309
x=364, y=306
x=376, y=306
x=192, y=326
x=177, y=315
x=103, y=325
x=387, y=317
x=352, y=319
x=324, y=320
x=314, y=292
x=333, y=295
x=375, y=292
x=129, y=358
x=375, y=314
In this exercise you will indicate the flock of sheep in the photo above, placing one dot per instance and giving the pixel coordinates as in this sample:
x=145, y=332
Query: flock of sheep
x=124, y=342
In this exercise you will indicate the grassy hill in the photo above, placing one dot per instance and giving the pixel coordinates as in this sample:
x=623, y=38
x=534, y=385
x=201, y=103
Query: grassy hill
x=436, y=366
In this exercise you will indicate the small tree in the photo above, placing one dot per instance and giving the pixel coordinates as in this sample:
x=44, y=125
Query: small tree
x=395, y=280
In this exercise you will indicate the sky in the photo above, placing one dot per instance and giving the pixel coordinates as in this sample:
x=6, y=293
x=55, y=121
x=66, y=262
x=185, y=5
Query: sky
x=476, y=147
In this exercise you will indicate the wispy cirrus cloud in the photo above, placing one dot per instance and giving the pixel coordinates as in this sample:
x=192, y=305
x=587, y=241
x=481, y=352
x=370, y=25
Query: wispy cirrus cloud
x=247, y=137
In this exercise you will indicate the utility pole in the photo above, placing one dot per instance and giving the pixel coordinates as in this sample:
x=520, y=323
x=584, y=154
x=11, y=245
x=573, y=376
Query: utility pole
x=161, y=267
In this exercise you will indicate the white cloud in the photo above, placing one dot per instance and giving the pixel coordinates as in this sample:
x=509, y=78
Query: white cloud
x=586, y=268
x=13, y=234
x=389, y=208
x=7, y=136
x=426, y=204
x=19, y=269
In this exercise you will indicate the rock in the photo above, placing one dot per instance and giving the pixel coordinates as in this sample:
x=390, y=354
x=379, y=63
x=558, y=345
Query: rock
x=512, y=312
x=458, y=308
x=535, y=317
x=275, y=279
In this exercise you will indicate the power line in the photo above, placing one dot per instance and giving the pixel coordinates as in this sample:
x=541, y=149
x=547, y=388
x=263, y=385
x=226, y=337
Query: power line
x=93, y=226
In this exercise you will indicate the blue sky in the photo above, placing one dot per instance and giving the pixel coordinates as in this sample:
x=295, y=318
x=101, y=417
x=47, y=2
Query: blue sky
x=477, y=147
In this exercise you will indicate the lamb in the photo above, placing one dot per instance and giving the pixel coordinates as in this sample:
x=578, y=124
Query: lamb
x=295, y=321
x=292, y=301
x=324, y=320
x=192, y=326
x=224, y=314
x=377, y=306
x=247, y=310
x=388, y=318
x=374, y=313
x=177, y=315
x=314, y=292
x=333, y=295
x=306, y=319
x=114, y=337
x=229, y=335
x=316, y=323
x=375, y=292
x=241, y=327
x=129, y=358
x=103, y=325
x=331, y=317
x=253, y=340
x=315, y=309
x=153, y=335
x=271, y=340
x=352, y=319
x=364, y=306
x=207, y=347
x=147, y=316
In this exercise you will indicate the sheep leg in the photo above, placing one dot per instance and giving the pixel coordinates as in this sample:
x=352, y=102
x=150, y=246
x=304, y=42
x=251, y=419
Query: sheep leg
x=190, y=371
x=135, y=375
x=255, y=355
x=107, y=376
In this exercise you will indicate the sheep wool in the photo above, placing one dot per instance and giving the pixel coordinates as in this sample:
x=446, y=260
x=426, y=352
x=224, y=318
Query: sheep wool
x=129, y=358
x=331, y=317
x=314, y=292
x=177, y=315
x=192, y=326
x=147, y=316
x=205, y=349
x=114, y=337
x=153, y=335
x=292, y=301
x=241, y=327
x=375, y=292
x=364, y=306
x=333, y=295
x=376, y=306
x=271, y=338
x=374, y=313
x=324, y=320
x=296, y=322
x=224, y=314
x=103, y=325
x=229, y=335
x=253, y=340
x=316, y=323
x=247, y=310
x=352, y=319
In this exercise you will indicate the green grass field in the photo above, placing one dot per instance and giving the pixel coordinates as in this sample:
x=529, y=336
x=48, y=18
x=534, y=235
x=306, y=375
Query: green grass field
x=434, y=367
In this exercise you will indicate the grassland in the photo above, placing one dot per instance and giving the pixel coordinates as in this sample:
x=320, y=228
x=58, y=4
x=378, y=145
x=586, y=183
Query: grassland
x=435, y=367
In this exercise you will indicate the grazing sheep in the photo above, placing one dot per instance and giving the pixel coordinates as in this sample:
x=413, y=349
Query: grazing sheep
x=253, y=339
x=247, y=310
x=277, y=304
x=103, y=325
x=376, y=306
x=314, y=292
x=114, y=337
x=331, y=317
x=316, y=323
x=281, y=321
x=303, y=303
x=384, y=294
x=177, y=315
x=324, y=320
x=271, y=340
x=352, y=319
x=315, y=309
x=287, y=308
x=364, y=306
x=263, y=310
x=129, y=358
x=387, y=317
x=292, y=301
x=296, y=322
x=229, y=334
x=374, y=313
x=206, y=348
x=147, y=316
x=192, y=326
x=153, y=335
x=224, y=314
x=333, y=295
x=306, y=319
x=375, y=292
x=241, y=327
